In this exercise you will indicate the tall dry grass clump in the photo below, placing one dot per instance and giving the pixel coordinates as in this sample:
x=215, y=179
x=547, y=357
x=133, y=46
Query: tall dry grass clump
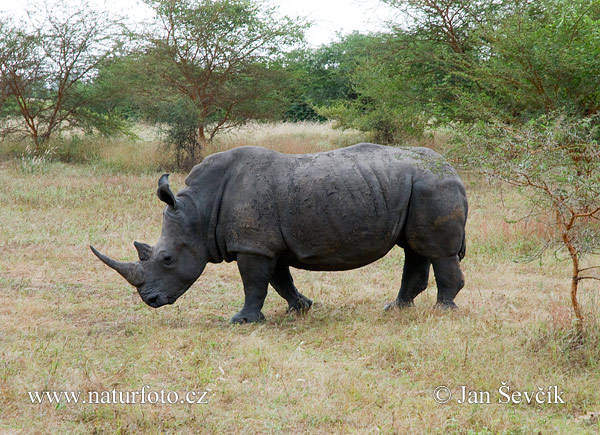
x=290, y=138
x=145, y=150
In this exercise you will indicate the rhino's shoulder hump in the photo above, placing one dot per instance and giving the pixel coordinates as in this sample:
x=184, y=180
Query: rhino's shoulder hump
x=219, y=163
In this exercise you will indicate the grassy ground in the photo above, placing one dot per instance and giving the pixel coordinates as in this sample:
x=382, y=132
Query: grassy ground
x=68, y=323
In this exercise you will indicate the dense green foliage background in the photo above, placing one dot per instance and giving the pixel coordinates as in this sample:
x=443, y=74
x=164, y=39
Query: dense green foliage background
x=212, y=64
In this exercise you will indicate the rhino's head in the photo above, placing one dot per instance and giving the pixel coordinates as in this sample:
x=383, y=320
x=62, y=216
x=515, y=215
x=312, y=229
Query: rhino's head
x=166, y=270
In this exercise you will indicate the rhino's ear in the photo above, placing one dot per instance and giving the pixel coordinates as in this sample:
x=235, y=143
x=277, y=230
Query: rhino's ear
x=164, y=191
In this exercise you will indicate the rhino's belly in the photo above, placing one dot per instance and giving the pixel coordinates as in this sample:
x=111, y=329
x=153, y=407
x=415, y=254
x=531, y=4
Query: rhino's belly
x=344, y=259
x=322, y=243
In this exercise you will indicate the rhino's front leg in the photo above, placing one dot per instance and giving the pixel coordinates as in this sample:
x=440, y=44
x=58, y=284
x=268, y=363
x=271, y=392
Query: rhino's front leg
x=256, y=272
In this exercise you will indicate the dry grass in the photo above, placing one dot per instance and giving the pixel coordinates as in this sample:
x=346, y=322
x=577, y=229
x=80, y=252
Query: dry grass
x=69, y=323
x=290, y=138
x=148, y=153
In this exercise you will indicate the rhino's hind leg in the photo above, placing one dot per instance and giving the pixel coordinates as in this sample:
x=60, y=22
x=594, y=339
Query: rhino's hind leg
x=283, y=283
x=449, y=279
x=256, y=272
x=415, y=277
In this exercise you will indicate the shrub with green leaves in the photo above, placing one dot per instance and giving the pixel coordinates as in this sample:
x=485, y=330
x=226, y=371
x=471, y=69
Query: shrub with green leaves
x=556, y=158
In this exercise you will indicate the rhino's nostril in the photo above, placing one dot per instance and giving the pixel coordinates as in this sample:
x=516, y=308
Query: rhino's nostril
x=152, y=300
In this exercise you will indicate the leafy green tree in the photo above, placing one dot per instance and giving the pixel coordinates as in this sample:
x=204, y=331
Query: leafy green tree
x=533, y=59
x=557, y=160
x=530, y=115
x=323, y=75
x=408, y=81
x=220, y=59
x=44, y=66
x=19, y=70
x=395, y=90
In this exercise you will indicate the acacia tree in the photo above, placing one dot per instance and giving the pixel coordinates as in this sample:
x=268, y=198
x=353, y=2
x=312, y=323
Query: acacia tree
x=557, y=160
x=407, y=80
x=393, y=86
x=20, y=73
x=44, y=65
x=445, y=22
x=536, y=103
x=217, y=59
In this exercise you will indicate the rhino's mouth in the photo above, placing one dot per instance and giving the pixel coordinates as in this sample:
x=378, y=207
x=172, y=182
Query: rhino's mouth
x=156, y=301
x=153, y=297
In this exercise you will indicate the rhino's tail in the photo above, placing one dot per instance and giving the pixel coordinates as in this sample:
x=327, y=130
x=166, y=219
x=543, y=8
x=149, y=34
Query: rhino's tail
x=463, y=248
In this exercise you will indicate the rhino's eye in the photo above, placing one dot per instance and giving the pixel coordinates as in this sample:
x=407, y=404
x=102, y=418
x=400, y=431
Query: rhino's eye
x=168, y=260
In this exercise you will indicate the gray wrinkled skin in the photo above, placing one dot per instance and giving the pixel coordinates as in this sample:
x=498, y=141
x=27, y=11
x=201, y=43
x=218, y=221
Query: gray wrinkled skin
x=336, y=210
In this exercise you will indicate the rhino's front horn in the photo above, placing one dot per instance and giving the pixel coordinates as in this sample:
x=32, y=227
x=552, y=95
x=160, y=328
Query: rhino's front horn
x=132, y=272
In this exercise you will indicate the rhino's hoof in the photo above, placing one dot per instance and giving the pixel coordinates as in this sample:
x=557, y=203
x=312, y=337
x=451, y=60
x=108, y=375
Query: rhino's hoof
x=300, y=306
x=446, y=305
x=248, y=317
x=398, y=304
